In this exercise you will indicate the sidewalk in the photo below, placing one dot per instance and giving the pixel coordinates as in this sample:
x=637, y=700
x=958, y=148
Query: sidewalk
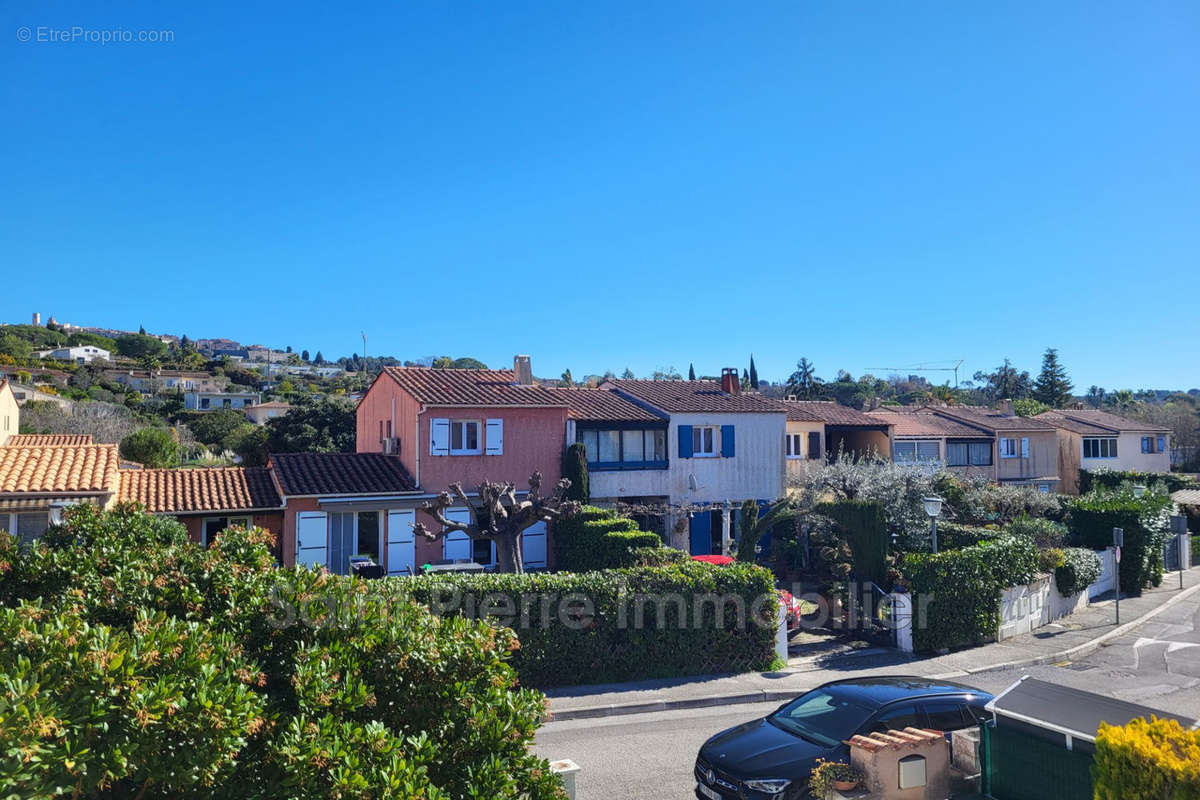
x=1069, y=638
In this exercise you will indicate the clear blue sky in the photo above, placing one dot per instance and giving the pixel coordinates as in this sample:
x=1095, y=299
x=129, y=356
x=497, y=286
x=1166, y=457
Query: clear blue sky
x=619, y=184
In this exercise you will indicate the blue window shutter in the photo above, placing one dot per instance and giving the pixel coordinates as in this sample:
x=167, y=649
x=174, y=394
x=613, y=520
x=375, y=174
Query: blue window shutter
x=685, y=441
x=727, y=441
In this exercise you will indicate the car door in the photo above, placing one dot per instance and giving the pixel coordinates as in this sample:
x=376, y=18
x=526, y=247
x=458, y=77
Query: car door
x=896, y=717
x=947, y=715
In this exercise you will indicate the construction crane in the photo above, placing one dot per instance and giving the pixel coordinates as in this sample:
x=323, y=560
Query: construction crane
x=927, y=366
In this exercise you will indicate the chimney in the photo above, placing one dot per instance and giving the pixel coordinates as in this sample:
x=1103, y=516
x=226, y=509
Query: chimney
x=1006, y=408
x=730, y=383
x=522, y=371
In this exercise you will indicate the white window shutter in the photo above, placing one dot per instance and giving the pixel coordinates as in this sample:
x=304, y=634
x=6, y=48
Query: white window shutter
x=495, y=437
x=1024, y=447
x=439, y=437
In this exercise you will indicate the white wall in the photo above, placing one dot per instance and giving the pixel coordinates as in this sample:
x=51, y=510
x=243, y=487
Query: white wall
x=756, y=470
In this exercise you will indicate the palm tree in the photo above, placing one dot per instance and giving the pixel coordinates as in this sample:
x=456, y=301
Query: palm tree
x=802, y=382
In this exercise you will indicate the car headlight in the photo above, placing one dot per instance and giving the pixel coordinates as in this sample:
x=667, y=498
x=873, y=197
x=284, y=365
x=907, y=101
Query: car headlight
x=768, y=785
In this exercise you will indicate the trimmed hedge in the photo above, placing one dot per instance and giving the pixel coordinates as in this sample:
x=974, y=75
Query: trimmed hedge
x=1153, y=759
x=956, y=593
x=1113, y=479
x=680, y=632
x=1144, y=520
x=953, y=536
x=1080, y=568
x=1044, y=532
x=864, y=527
x=600, y=539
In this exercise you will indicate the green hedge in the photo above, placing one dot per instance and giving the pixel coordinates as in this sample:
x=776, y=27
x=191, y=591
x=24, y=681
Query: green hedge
x=1144, y=520
x=600, y=539
x=1080, y=568
x=956, y=593
x=864, y=527
x=1113, y=479
x=680, y=634
x=953, y=536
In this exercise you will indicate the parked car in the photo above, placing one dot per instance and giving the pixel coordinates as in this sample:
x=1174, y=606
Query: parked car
x=790, y=603
x=771, y=758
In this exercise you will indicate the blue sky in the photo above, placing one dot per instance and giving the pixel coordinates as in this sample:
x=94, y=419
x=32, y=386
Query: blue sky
x=606, y=185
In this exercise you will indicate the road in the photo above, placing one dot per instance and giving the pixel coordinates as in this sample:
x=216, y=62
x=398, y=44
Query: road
x=650, y=756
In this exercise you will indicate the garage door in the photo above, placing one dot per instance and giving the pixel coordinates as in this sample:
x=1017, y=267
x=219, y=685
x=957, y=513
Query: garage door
x=401, y=543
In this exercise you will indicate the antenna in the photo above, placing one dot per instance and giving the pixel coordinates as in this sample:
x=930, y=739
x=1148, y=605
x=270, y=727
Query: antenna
x=924, y=367
x=364, y=335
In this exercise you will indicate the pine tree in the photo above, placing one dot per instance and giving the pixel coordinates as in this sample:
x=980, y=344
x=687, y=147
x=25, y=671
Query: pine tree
x=691, y=372
x=141, y=330
x=627, y=375
x=753, y=373
x=304, y=355
x=318, y=359
x=1052, y=386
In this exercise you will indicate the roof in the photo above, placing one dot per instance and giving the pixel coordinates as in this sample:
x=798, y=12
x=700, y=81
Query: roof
x=914, y=424
x=832, y=413
x=340, y=473
x=894, y=739
x=994, y=420
x=604, y=405
x=272, y=404
x=682, y=397
x=885, y=689
x=1094, y=421
x=215, y=489
x=471, y=387
x=84, y=468
x=1070, y=711
x=1187, y=497
x=50, y=440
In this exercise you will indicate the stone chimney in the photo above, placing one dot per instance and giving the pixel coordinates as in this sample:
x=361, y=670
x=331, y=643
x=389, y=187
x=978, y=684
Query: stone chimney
x=1006, y=408
x=730, y=383
x=522, y=371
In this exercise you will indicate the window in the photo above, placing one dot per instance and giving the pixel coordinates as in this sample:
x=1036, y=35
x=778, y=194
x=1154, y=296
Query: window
x=1154, y=444
x=1162, y=444
x=1013, y=448
x=704, y=441
x=1096, y=447
x=464, y=437
x=204, y=402
x=793, y=444
x=947, y=715
x=481, y=551
x=897, y=719
x=814, y=444
x=968, y=454
x=915, y=451
x=29, y=527
x=611, y=449
x=226, y=403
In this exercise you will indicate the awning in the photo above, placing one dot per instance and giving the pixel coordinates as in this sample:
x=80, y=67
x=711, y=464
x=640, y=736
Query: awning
x=20, y=504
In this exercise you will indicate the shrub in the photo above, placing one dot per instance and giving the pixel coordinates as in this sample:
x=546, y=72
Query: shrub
x=575, y=469
x=978, y=501
x=1043, y=532
x=1167, y=482
x=599, y=539
x=1151, y=759
x=214, y=674
x=1145, y=522
x=826, y=773
x=657, y=556
x=677, y=605
x=953, y=536
x=863, y=525
x=1050, y=559
x=151, y=447
x=957, y=592
x=1080, y=568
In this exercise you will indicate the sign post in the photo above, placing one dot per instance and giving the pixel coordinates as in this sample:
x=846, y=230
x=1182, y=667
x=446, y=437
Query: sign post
x=1179, y=528
x=1118, y=543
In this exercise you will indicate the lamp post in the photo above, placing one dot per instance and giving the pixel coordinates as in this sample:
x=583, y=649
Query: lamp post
x=1139, y=491
x=933, y=507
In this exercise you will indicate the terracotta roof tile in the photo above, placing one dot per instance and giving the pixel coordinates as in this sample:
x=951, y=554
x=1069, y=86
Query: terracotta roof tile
x=894, y=739
x=832, y=413
x=84, y=468
x=922, y=423
x=603, y=405
x=682, y=397
x=340, y=473
x=471, y=387
x=215, y=489
x=1095, y=421
x=996, y=421
x=50, y=440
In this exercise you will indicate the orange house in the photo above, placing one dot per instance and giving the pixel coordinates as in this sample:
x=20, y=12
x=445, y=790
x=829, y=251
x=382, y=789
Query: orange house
x=467, y=426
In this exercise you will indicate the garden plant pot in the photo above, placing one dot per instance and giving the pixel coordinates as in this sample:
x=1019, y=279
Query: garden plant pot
x=845, y=786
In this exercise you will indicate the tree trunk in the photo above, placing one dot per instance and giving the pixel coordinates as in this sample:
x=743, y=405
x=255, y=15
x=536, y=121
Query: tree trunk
x=508, y=554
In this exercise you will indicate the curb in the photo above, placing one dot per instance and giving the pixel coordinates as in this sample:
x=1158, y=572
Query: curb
x=777, y=696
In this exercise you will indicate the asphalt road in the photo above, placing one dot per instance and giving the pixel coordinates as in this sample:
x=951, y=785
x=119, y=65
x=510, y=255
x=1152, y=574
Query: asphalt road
x=650, y=756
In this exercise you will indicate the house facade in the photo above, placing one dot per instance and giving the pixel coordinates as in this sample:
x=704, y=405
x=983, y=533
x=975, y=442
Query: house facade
x=10, y=413
x=263, y=412
x=81, y=354
x=921, y=436
x=723, y=448
x=467, y=426
x=150, y=382
x=1097, y=440
x=211, y=401
x=817, y=429
x=1026, y=448
x=37, y=481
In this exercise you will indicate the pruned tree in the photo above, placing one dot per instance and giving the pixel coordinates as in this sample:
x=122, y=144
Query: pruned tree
x=497, y=515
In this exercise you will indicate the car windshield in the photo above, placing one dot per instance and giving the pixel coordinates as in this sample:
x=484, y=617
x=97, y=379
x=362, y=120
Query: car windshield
x=822, y=717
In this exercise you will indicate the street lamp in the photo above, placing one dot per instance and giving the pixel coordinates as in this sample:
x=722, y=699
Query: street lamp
x=933, y=507
x=1139, y=490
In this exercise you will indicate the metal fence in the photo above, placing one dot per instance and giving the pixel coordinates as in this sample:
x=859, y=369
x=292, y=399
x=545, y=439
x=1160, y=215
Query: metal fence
x=1017, y=766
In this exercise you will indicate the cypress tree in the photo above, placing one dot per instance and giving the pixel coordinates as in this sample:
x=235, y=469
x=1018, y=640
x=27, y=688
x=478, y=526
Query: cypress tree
x=691, y=372
x=1052, y=386
x=575, y=470
x=753, y=373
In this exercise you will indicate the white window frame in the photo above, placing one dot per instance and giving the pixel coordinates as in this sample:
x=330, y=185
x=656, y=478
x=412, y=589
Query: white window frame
x=793, y=445
x=714, y=441
x=916, y=444
x=1010, y=447
x=461, y=424
x=1103, y=444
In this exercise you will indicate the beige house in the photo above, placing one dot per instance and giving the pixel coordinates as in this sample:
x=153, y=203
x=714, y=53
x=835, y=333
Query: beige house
x=923, y=436
x=262, y=412
x=1026, y=448
x=10, y=413
x=1097, y=440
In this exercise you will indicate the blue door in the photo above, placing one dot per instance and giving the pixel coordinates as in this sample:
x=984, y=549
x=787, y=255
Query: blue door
x=701, y=533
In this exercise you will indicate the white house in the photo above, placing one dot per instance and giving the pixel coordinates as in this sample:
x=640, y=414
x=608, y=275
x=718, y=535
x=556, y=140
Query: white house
x=80, y=354
x=211, y=401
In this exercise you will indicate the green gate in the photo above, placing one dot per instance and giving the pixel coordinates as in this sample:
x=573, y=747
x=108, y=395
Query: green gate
x=1017, y=766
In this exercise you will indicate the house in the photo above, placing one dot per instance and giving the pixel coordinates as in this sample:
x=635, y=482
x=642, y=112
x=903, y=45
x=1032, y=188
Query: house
x=81, y=354
x=10, y=413
x=723, y=447
x=922, y=436
x=36, y=482
x=151, y=382
x=1098, y=440
x=820, y=428
x=259, y=414
x=210, y=401
x=24, y=394
x=337, y=506
x=466, y=426
x=207, y=501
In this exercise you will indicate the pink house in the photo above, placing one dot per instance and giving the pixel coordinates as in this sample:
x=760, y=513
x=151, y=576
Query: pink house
x=467, y=426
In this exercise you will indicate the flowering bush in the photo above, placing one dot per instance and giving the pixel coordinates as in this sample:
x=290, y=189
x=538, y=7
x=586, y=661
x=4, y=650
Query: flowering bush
x=1146, y=760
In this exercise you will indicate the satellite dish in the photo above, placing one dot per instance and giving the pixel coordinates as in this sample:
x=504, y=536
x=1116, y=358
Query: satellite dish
x=693, y=485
